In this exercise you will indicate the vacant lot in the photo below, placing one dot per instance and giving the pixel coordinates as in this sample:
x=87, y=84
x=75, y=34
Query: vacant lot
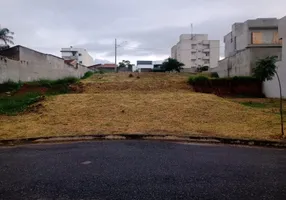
x=145, y=103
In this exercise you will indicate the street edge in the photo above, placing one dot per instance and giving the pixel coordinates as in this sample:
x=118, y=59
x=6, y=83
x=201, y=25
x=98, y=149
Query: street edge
x=189, y=139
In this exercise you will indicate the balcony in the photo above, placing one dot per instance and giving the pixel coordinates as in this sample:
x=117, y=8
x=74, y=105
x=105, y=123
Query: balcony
x=206, y=50
x=70, y=57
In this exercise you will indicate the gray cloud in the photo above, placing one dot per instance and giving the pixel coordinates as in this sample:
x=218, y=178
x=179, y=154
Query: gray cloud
x=151, y=27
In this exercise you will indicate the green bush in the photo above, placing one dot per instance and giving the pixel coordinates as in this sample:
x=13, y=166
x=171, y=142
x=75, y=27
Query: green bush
x=201, y=80
x=10, y=105
x=244, y=78
x=214, y=75
x=10, y=86
x=87, y=75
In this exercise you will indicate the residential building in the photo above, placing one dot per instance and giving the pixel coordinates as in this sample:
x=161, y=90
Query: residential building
x=147, y=65
x=196, y=50
x=78, y=54
x=246, y=43
x=109, y=67
x=271, y=88
x=144, y=65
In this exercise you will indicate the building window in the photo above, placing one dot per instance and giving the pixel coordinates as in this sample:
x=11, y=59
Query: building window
x=193, y=60
x=79, y=54
x=206, y=61
x=193, y=46
x=256, y=38
x=207, y=53
x=276, y=39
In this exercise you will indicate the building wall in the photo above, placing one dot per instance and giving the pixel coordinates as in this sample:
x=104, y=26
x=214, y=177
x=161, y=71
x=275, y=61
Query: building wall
x=271, y=88
x=214, y=53
x=237, y=65
x=174, y=52
x=243, y=62
x=35, y=66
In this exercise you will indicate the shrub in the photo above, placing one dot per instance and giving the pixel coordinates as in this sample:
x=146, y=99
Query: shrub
x=10, y=86
x=214, y=75
x=245, y=78
x=201, y=80
x=87, y=75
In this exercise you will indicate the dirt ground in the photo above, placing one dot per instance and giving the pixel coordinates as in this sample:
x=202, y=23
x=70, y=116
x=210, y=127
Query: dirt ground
x=145, y=103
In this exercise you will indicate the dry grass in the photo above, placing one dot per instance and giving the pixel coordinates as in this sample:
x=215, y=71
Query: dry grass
x=155, y=103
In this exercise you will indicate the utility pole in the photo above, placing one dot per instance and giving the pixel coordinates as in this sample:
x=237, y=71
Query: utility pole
x=115, y=55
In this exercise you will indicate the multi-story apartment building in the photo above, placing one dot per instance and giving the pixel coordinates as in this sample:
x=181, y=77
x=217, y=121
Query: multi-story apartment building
x=246, y=43
x=78, y=54
x=195, y=50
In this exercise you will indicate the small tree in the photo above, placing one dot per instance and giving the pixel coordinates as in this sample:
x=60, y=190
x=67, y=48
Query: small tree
x=172, y=64
x=265, y=70
x=125, y=64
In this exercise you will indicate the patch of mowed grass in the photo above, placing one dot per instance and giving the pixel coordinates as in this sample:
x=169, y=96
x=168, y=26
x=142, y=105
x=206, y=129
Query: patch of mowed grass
x=11, y=105
x=254, y=104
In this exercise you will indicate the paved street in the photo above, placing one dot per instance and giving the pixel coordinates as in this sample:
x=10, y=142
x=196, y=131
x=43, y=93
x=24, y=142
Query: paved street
x=141, y=170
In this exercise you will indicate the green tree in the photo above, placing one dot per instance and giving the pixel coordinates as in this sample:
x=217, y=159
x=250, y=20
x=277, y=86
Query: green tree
x=265, y=70
x=171, y=64
x=6, y=36
x=125, y=64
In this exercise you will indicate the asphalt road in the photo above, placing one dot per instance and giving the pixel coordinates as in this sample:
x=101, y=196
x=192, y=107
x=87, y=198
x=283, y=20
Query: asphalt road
x=141, y=170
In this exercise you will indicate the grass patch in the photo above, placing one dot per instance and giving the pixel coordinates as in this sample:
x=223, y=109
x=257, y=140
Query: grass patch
x=254, y=104
x=87, y=75
x=11, y=105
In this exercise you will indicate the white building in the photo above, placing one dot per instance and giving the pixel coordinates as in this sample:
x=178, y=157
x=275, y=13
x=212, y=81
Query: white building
x=271, y=88
x=79, y=54
x=195, y=50
x=147, y=65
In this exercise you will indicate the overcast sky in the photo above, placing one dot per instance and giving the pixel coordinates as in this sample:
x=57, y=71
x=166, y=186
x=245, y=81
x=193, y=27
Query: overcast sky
x=150, y=27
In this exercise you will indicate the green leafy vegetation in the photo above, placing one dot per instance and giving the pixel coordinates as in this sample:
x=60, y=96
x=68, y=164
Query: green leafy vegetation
x=87, y=75
x=214, y=75
x=10, y=86
x=172, y=64
x=193, y=80
x=13, y=102
x=11, y=105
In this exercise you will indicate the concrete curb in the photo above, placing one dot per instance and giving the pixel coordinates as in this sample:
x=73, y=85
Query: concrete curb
x=194, y=139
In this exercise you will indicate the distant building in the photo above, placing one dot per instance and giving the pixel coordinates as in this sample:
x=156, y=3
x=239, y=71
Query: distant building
x=103, y=67
x=196, y=50
x=246, y=43
x=147, y=65
x=78, y=54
